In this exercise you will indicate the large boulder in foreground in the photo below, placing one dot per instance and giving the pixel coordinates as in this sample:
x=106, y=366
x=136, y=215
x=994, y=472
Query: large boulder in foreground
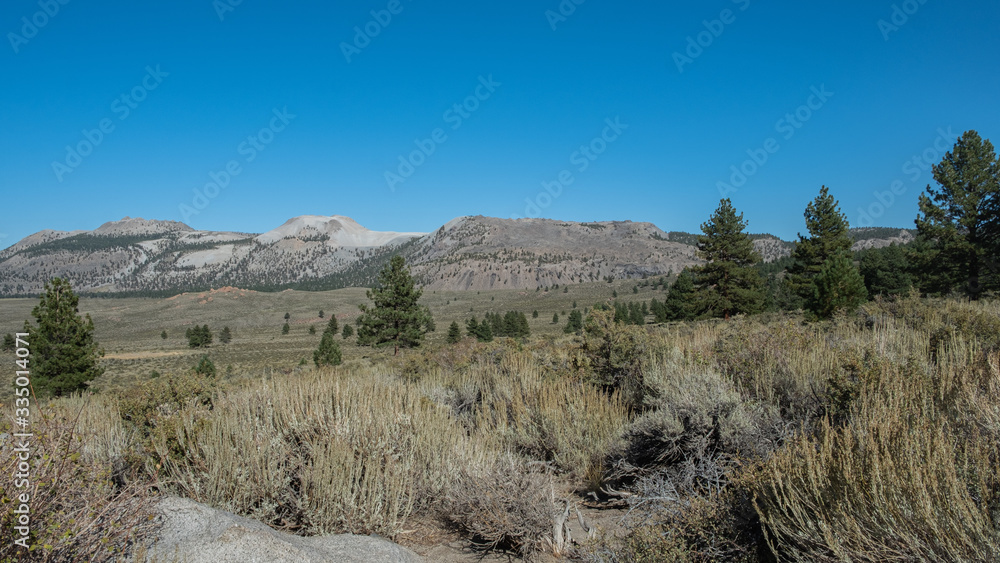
x=196, y=533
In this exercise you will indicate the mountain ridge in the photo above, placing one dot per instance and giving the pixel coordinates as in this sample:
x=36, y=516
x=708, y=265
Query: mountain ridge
x=139, y=256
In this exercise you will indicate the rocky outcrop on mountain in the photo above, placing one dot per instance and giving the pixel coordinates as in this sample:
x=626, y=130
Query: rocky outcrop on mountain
x=474, y=253
x=138, y=256
x=874, y=237
x=196, y=533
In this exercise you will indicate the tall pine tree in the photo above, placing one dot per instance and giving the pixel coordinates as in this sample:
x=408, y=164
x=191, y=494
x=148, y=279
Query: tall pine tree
x=828, y=236
x=396, y=319
x=959, y=221
x=680, y=303
x=454, y=333
x=837, y=286
x=64, y=354
x=728, y=284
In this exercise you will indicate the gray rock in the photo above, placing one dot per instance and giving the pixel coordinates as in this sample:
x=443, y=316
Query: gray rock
x=195, y=533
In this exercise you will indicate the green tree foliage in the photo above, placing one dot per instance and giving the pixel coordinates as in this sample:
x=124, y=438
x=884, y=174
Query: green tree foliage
x=328, y=353
x=574, y=325
x=728, y=284
x=321, y=313
x=837, y=286
x=454, y=333
x=555, y=318
x=482, y=331
x=534, y=314
x=959, y=221
x=199, y=336
x=205, y=367
x=163, y=335
x=288, y=316
x=9, y=343
x=828, y=236
x=332, y=325
x=285, y=329
x=64, y=353
x=629, y=313
x=680, y=303
x=614, y=353
x=226, y=336
x=513, y=324
x=312, y=329
x=886, y=271
x=347, y=332
x=396, y=319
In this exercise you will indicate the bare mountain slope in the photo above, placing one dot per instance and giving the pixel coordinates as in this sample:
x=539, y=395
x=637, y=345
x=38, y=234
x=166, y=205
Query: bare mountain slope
x=139, y=256
x=136, y=255
x=489, y=253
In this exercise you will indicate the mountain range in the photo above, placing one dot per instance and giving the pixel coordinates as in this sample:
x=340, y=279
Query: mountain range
x=312, y=252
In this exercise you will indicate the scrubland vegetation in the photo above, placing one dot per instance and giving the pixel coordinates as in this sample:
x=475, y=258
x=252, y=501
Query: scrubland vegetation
x=873, y=436
x=758, y=418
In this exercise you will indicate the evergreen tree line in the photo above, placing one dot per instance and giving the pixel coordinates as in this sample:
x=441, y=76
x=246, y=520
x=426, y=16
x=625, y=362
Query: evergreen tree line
x=956, y=252
x=513, y=324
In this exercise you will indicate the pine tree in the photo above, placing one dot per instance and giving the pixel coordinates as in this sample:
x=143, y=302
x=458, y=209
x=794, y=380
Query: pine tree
x=728, y=284
x=328, y=353
x=454, y=333
x=838, y=285
x=321, y=313
x=64, y=354
x=285, y=329
x=574, y=325
x=555, y=318
x=332, y=325
x=680, y=302
x=163, y=335
x=534, y=314
x=9, y=343
x=312, y=329
x=886, y=271
x=396, y=318
x=347, y=332
x=828, y=236
x=226, y=336
x=959, y=224
x=198, y=336
x=205, y=367
x=288, y=316
x=483, y=332
x=635, y=315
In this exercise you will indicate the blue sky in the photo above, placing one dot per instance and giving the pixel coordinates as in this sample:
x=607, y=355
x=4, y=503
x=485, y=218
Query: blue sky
x=646, y=111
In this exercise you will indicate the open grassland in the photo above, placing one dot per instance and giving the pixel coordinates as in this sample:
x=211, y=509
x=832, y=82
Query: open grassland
x=130, y=329
x=872, y=437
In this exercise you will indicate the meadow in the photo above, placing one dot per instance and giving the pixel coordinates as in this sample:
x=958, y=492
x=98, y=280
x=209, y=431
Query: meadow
x=870, y=437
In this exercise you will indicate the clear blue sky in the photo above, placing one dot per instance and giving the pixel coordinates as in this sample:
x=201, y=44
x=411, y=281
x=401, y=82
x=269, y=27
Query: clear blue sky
x=220, y=76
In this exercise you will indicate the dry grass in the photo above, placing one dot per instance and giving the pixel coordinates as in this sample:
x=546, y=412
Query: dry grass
x=504, y=505
x=333, y=451
x=83, y=505
x=867, y=438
